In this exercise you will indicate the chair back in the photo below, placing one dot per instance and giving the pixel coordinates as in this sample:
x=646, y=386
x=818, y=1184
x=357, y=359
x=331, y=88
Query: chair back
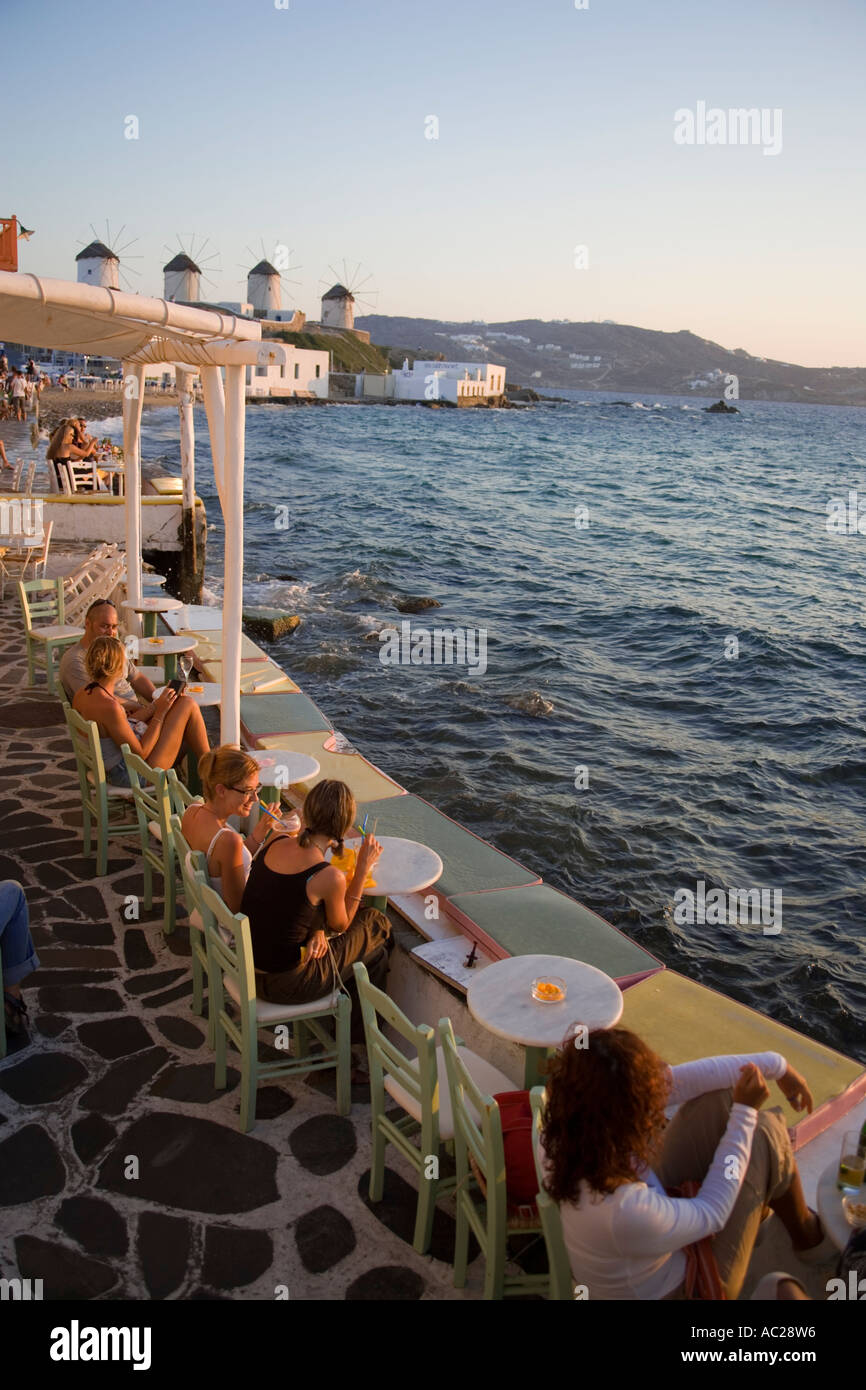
x=16, y=473
x=477, y=1133
x=561, y=1278
x=31, y=474
x=42, y=556
x=179, y=794
x=230, y=960
x=46, y=609
x=88, y=752
x=150, y=794
x=193, y=866
x=420, y=1080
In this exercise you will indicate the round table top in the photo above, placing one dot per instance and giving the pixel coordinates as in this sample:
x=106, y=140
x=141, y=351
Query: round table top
x=404, y=866
x=154, y=646
x=830, y=1206
x=298, y=766
x=500, y=997
x=203, y=692
x=164, y=604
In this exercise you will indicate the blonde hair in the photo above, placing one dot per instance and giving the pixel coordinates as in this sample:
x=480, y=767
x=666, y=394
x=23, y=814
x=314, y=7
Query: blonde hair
x=226, y=765
x=328, y=809
x=105, y=656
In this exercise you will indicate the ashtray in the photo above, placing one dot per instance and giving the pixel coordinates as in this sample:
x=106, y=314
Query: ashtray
x=550, y=990
x=854, y=1207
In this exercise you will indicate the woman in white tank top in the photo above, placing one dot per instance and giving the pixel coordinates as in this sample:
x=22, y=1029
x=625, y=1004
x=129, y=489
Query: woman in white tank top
x=230, y=784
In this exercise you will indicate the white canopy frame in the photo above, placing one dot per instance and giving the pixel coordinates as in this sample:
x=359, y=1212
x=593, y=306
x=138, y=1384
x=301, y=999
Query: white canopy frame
x=144, y=331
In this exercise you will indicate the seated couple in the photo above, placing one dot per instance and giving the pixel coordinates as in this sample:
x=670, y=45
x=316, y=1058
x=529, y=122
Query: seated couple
x=306, y=922
x=102, y=684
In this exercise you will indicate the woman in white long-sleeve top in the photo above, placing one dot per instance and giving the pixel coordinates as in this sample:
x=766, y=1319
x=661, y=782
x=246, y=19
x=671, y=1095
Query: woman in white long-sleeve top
x=610, y=1156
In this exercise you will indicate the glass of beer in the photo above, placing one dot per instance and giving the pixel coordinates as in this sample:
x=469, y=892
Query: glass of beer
x=852, y=1163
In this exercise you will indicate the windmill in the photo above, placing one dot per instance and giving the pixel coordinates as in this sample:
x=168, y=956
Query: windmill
x=265, y=281
x=338, y=302
x=104, y=261
x=183, y=272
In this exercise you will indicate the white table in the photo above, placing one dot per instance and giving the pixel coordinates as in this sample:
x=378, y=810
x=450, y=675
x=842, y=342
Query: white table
x=500, y=998
x=294, y=767
x=202, y=692
x=169, y=647
x=404, y=866
x=149, y=607
x=830, y=1206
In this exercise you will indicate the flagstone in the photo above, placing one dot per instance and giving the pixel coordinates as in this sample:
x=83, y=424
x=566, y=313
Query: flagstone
x=136, y=951
x=52, y=1025
x=115, y=1037
x=397, y=1211
x=85, y=957
x=386, y=1284
x=323, y=1144
x=233, y=1258
x=65, y=1273
x=180, y=1031
x=168, y=996
x=324, y=1236
x=193, y=1164
x=80, y=999
x=163, y=1246
x=147, y=984
x=87, y=900
x=30, y=1166
x=193, y=1083
x=84, y=933
x=42, y=1078
x=123, y=1081
x=273, y=1101
x=90, y=1135
x=94, y=1224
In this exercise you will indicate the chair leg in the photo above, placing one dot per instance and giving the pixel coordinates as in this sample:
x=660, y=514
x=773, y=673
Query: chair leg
x=427, y=1189
x=219, y=1075
x=49, y=667
x=102, y=843
x=461, y=1244
x=377, y=1159
x=31, y=669
x=249, y=1086
x=300, y=1039
x=169, y=884
x=148, y=886
x=344, y=1055
x=197, y=1005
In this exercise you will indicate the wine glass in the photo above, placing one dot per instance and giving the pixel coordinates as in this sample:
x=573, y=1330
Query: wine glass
x=185, y=665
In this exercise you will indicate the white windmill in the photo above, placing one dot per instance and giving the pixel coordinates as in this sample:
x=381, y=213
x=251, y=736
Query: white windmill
x=265, y=282
x=183, y=272
x=104, y=260
x=338, y=302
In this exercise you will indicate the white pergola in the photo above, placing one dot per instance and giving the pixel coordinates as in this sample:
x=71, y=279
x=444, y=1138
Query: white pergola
x=145, y=332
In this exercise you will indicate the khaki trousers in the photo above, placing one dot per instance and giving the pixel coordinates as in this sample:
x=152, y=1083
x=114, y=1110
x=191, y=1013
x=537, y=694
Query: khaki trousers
x=689, y=1145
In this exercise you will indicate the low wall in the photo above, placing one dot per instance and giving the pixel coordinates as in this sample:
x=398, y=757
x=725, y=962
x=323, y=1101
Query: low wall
x=104, y=519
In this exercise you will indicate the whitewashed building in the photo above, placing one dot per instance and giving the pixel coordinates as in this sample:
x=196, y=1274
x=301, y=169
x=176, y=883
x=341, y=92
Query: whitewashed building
x=338, y=308
x=461, y=383
x=305, y=373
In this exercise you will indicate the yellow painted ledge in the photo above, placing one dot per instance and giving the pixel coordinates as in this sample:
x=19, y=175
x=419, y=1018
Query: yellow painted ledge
x=254, y=673
x=682, y=1021
x=365, y=781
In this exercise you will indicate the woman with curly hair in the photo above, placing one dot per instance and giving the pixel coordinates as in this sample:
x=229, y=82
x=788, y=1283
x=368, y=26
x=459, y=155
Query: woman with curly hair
x=610, y=1156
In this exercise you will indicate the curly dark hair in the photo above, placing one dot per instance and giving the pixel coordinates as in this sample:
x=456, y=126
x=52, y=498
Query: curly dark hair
x=605, y=1112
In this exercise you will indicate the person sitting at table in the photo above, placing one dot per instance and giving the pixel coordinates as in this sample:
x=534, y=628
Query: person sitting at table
x=609, y=1158
x=101, y=621
x=230, y=784
x=296, y=901
x=176, y=720
x=64, y=448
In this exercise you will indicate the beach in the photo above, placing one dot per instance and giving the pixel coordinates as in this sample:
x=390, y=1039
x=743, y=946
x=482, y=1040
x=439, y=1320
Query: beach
x=93, y=405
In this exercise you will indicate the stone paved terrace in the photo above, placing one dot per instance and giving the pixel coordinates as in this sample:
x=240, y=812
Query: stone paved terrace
x=118, y=1065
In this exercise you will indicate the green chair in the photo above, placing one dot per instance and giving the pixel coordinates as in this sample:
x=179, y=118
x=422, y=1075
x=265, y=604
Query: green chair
x=153, y=808
x=480, y=1158
x=52, y=633
x=231, y=973
x=420, y=1086
x=561, y=1278
x=193, y=869
x=179, y=794
x=99, y=799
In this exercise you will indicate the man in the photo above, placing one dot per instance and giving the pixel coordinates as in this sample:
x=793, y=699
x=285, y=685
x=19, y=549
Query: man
x=101, y=621
x=19, y=392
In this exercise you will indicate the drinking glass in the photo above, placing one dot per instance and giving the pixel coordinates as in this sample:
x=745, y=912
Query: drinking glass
x=852, y=1164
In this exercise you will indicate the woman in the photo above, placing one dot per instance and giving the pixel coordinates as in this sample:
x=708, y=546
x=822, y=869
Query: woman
x=230, y=783
x=609, y=1159
x=65, y=446
x=176, y=719
x=295, y=900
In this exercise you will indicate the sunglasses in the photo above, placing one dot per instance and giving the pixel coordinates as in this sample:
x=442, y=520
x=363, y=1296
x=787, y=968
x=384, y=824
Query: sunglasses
x=246, y=791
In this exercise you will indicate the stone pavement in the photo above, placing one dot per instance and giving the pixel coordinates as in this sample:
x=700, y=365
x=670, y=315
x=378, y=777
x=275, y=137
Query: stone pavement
x=118, y=1069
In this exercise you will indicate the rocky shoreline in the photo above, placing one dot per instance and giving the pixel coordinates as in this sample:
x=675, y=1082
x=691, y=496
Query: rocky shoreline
x=55, y=404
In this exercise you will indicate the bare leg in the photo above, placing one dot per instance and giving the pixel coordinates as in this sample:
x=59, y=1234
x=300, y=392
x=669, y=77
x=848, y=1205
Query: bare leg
x=802, y=1225
x=183, y=724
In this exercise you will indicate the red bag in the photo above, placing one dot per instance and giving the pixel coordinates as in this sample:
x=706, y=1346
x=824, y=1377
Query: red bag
x=521, y=1179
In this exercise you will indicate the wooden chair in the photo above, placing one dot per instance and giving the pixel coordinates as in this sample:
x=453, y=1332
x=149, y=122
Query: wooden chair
x=153, y=808
x=193, y=869
x=46, y=638
x=561, y=1278
x=231, y=973
x=419, y=1085
x=179, y=794
x=480, y=1159
x=36, y=555
x=98, y=797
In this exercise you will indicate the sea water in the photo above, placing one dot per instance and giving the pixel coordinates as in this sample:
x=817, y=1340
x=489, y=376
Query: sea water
x=671, y=709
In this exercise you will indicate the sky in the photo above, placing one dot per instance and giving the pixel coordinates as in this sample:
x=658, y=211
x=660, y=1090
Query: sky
x=456, y=156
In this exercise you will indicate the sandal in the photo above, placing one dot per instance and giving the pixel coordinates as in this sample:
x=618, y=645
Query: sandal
x=16, y=1011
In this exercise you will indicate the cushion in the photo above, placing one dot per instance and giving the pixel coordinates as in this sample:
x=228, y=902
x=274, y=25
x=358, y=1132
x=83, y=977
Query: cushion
x=487, y=1078
x=288, y=713
x=283, y=1013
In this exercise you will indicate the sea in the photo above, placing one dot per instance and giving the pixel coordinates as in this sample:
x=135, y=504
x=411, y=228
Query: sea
x=672, y=698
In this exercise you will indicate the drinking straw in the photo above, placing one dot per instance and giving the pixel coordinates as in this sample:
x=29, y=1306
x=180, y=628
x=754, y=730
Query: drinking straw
x=264, y=808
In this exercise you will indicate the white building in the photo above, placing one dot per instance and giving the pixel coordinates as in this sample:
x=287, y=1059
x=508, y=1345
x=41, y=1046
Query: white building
x=97, y=265
x=304, y=374
x=460, y=383
x=182, y=280
x=264, y=290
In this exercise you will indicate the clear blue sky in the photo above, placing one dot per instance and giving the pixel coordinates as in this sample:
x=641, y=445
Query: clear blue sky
x=306, y=126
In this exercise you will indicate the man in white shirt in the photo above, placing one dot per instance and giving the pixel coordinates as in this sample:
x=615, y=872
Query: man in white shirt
x=19, y=394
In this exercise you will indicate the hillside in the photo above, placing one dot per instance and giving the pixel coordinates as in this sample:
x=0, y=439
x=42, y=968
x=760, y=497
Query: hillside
x=349, y=353
x=616, y=357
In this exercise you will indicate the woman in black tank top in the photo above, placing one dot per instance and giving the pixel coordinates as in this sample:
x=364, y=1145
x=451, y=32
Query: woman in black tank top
x=305, y=922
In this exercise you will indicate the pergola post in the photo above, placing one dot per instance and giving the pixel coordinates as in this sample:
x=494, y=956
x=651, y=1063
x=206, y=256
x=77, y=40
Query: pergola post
x=232, y=498
x=133, y=403
x=189, y=591
x=215, y=409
